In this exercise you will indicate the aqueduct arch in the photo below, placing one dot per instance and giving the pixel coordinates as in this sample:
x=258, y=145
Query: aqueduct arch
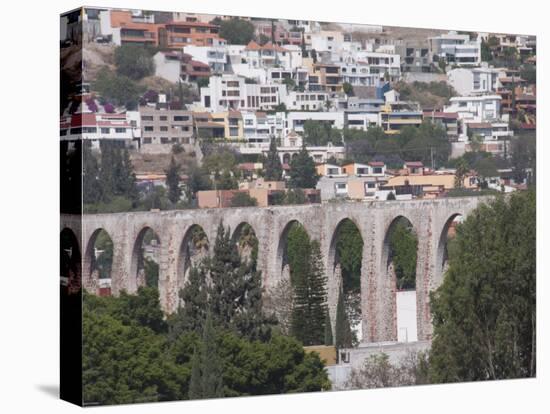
x=430, y=218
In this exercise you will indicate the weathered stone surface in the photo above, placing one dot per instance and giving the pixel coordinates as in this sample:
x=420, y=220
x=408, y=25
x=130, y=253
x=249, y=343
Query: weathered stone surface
x=430, y=219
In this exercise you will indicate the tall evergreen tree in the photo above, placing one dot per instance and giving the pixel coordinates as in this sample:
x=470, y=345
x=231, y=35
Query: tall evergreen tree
x=302, y=170
x=273, y=166
x=91, y=190
x=206, y=366
x=343, y=336
x=173, y=181
x=310, y=308
x=191, y=316
x=235, y=291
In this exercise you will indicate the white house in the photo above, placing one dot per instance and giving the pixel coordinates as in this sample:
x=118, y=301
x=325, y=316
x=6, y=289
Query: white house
x=456, y=49
x=475, y=81
x=213, y=56
x=168, y=65
x=306, y=101
x=232, y=92
x=475, y=108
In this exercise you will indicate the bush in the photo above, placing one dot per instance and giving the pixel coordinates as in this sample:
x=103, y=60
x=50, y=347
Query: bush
x=134, y=61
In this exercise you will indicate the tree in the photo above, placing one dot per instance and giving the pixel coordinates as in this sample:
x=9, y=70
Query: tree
x=173, y=181
x=308, y=314
x=237, y=31
x=391, y=196
x=243, y=199
x=235, y=290
x=207, y=366
x=302, y=170
x=484, y=313
x=349, y=248
x=343, y=337
x=378, y=371
x=348, y=88
x=460, y=173
x=118, y=89
x=191, y=316
x=403, y=246
x=273, y=166
x=134, y=61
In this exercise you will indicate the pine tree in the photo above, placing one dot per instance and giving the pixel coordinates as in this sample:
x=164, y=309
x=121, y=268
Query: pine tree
x=195, y=383
x=235, y=291
x=328, y=330
x=173, y=181
x=302, y=170
x=191, y=316
x=91, y=190
x=211, y=364
x=343, y=335
x=310, y=308
x=206, y=366
x=273, y=166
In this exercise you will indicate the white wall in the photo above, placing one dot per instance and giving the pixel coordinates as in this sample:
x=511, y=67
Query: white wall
x=406, y=316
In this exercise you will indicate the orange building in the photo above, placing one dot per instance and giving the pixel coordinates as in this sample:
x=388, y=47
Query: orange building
x=175, y=35
x=134, y=30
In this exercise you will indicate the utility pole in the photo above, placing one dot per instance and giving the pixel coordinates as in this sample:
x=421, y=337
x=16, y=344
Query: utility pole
x=432, y=157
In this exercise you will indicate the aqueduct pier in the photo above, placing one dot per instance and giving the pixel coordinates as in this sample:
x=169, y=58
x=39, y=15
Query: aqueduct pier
x=429, y=218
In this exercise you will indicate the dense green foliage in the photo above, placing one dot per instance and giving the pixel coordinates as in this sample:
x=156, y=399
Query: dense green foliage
x=349, y=248
x=134, y=61
x=242, y=199
x=320, y=133
x=117, y=89
x=412, y=144
x=302, y=171
x=484, y=312
x=112, y=177
x=403, y=244
x=128, y=357
x=237, y=31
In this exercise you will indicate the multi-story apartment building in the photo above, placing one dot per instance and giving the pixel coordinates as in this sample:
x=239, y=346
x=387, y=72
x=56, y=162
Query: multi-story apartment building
x=325, y=77
x=415, y=56
x=394, y=116
x=177, y=34
x=131, y=27
x=161, y=128
x=260, y=127
x=359, y=74
x=230, y=92
x=456, y=49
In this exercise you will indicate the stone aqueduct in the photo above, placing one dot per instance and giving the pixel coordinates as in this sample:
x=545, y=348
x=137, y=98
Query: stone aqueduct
x=430, y=219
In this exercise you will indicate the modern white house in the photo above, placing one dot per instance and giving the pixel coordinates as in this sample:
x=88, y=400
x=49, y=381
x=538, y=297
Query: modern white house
x=456, y=49
x=475, y=108
x=259, y=128
x=213, y=56
x=475, y=81
x=306, y=101
x=231, y=92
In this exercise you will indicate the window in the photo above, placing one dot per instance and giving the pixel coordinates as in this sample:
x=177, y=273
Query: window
x=120, y=130
x=89, y=130
x=181, y=118
x=147, y=140
x=163, y=118
x=164, y=140
x=147, y=118
x=164, y=128
x=377, y=170
x=148, y=129
x=105, y=130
